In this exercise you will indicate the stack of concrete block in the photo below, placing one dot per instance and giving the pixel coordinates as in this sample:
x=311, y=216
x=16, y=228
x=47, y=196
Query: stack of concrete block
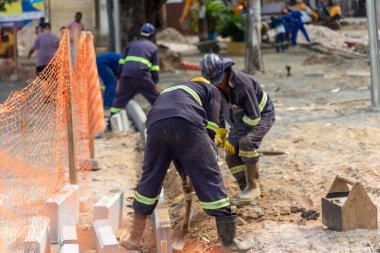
x=161, y=220
x=65, y=202
x=105, y=238
x=70, y=248
x=37, y=238
x=119, y=122
x=67, y=230
x=110, y=207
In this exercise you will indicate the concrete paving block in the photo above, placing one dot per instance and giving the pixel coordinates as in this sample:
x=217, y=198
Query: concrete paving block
x=37, y=238
x=162, y=228
x=65, y=202
x=68, y=230
x=70, y=248
x=105, y=239
x=110, y=207
x=85, y=203
x=124, y=120
x=116, y=123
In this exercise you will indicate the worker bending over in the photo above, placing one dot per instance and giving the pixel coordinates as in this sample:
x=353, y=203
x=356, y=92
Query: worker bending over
x=138, y=70
x=250, y=113
x=181, y=127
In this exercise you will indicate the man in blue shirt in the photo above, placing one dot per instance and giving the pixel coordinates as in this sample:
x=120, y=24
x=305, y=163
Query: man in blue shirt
x=108, y=65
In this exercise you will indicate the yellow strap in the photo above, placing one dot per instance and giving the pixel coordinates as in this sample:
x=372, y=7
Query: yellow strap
x=200, y=79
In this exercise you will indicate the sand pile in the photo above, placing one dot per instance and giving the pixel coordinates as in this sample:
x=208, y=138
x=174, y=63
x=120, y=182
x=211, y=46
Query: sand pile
x=324, y=36
x=171, y=35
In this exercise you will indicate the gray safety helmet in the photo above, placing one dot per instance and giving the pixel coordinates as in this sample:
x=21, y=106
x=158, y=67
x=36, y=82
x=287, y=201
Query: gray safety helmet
x=212, y=68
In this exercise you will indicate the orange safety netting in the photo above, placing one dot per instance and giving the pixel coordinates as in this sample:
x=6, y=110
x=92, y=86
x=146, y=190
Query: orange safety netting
x=34, y=154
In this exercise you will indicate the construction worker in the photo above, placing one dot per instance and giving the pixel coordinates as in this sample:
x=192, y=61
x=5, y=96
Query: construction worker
x=181, y=127
x=250, y=113
x=108, y=66
x=298, y=25
x=279, y=28
x=138, y=70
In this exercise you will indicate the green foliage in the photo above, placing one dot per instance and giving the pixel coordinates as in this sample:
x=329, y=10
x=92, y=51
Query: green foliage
x=216, y=14
x=4, y=2
x=234, y=27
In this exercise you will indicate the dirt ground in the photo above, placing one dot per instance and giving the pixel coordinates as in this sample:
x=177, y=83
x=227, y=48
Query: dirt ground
x=326, y=126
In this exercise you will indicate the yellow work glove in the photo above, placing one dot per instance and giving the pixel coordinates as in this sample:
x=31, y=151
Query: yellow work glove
x=229, y=148
x=220, y=137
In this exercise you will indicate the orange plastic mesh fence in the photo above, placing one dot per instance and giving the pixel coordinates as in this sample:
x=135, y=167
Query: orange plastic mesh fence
x=34, y=140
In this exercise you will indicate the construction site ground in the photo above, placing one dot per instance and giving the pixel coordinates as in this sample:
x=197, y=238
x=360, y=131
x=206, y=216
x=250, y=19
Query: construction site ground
x=325, y=125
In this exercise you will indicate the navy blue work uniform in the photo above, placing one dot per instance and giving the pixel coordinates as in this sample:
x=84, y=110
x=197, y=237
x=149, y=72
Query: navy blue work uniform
x=108, y=67
x=250, y=113
x=180, y=127
x=138, y=73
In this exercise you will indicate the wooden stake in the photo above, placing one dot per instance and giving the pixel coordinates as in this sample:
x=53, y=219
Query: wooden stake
x=72, y=147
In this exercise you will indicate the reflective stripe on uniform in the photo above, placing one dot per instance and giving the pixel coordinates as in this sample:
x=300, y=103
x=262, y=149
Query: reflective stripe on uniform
x=138, y=59
x=115, y=110
x=212, y=126
x=145, y=200
x=254, y=122
x=155, y=68
x=215, y=204
x=121, y=61
x=264, y=101
x=187, y=89
x=237, y=169
x=248, y=154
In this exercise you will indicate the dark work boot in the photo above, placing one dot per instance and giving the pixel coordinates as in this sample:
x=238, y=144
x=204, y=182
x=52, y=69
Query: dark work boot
x=226, y=228
x=133, y=241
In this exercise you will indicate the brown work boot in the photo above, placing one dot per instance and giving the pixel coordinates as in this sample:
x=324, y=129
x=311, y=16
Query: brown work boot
x=252, y=190
x=133, y=241
x=226, y=228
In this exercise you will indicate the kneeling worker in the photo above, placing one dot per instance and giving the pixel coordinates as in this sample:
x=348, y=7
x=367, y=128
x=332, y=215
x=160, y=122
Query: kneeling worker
x=181, y=127
x=250, y=113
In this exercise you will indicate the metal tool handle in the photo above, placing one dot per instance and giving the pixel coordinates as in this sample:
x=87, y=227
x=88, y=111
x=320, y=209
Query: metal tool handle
x=345, y=180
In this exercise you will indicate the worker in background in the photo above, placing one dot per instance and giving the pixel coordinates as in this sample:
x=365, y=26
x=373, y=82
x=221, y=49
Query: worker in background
x=298, y=25
x=250, y=113
x=279, y=28
x=288, y=23
x=138, y=70
x=181, y=127
x=47, y=44
x=75, y=28
x=108, y=66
